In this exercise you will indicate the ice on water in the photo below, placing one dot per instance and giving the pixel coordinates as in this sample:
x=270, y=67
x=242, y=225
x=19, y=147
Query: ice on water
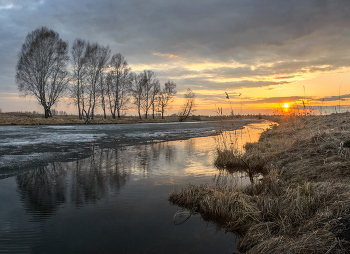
x=20, y=144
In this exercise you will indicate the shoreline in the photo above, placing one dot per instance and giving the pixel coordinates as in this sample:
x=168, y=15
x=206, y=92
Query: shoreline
x=302, y=204
x=8, y=119
x=57, y=143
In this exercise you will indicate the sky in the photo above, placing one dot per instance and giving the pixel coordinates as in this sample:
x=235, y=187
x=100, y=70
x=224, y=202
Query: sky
x=263, y=53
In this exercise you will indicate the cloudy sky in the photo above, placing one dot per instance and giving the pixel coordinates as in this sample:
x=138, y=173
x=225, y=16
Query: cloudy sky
x=270, y=51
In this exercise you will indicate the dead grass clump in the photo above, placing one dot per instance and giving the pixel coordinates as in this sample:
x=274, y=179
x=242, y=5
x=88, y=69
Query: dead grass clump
x=300, y=204
x=275, y=217
x=258, y=234
x=228, y=159
x=318, y=241
x=272, y=215
x=235, y=210
x=270, y=185
x=298, y=214
x=310, y=151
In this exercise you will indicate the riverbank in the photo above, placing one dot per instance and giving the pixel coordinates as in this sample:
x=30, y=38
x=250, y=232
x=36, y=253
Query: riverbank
x=302, y=204
x=15, y=118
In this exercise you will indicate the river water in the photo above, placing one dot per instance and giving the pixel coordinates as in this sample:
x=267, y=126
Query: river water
x=104, y=188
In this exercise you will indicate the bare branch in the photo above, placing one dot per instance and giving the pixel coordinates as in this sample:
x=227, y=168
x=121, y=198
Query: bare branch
x=189, y=105
x=165, y=96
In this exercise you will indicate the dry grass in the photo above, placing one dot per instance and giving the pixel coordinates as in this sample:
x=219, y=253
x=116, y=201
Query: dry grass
x=228, y=155
x=15, y=118
x=302, y=204
x=37, y=119
x=229, y=159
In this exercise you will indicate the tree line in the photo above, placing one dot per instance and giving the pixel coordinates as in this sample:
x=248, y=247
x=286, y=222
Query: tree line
x=97, y=78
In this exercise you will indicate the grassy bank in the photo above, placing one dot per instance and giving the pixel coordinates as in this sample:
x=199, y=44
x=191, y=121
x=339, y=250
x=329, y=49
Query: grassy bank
x=302, y=205
x=15, y=118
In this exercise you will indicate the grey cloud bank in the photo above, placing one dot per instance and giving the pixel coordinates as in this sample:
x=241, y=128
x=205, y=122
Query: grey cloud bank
x=265, y=38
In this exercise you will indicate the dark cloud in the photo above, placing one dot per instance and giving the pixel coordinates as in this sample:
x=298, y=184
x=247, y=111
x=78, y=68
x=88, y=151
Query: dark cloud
x=274, y=100
x=204, y=84
x=343, y=97
x=283, y=39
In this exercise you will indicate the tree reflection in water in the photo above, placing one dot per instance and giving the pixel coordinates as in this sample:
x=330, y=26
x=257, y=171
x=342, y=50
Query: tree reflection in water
x=45, y=189
x=105, y=172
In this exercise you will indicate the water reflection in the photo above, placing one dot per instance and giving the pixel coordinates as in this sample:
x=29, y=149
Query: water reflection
x=115, y=201
x=43, y=190
x=233, y=179
x=103, y=174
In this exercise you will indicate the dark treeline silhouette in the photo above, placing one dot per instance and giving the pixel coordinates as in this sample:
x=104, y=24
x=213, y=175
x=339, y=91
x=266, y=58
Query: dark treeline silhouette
x=96, y=79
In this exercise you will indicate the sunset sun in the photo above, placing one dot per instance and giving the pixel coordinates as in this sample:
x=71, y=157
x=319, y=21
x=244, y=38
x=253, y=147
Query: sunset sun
x=285, y=105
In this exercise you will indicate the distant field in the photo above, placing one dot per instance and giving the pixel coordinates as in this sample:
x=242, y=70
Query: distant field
x=14, y=118
x=35, y=119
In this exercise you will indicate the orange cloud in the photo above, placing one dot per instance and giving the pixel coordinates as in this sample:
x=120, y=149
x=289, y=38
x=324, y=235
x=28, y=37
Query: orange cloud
x=165, y=55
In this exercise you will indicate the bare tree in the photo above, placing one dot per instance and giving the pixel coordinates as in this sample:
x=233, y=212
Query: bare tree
x=165, y=96
x=151, y=86
x=79, y=72
x=189, y=105
x=41, y=70
x=96, y=58
x=154, y=93
x=118, y=84
x=137, y=89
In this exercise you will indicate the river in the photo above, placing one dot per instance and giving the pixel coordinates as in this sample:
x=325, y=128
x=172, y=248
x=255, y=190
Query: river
x=104, y=188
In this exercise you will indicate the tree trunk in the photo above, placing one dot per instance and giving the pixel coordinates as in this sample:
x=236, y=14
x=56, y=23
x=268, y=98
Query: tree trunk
x=162, y=111
x=92, y=110
x=79, y=110
x=104, y=108
x=47, y=112
x=139, y=111
x=112, y=110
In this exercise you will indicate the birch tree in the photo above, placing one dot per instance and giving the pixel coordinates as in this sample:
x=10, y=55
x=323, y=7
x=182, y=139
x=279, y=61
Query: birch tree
x=41, y=70
x=96, y=59
x=119, y=83
x=165, y=96
x=150, y=90
x=103, y=92
x=137, y=90
x=154, y=93
x=79, y=73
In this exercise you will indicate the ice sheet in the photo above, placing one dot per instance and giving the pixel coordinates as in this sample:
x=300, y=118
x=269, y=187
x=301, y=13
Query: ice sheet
x=20, y=144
